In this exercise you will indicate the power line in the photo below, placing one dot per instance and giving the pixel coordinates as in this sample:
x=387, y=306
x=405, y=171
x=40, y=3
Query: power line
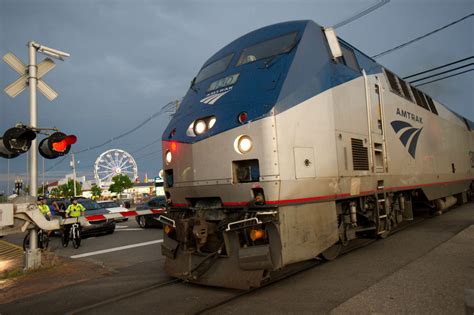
x=449, y=76
x=148, y=154
x=361, y=13
x=443, y=72
x=421, y=37
x=168, y=108
x=146, y=146
x=56, y=164
x=436, y=68
x=165, y=109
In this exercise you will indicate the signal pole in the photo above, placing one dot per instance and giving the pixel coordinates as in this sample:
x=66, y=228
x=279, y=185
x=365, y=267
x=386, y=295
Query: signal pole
x=31, y=76
x=32, y=82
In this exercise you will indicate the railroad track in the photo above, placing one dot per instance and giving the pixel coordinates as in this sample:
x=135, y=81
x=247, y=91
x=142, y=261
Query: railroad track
x=124, y=296
x=306, y=266
x=287, y=273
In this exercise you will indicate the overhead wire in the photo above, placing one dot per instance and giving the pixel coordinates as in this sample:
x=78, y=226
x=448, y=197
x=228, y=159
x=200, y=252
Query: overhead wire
x=436, y=68
x=422, y=36
x=165, y=109
x=170, y=108
x=360, y=14
x=449, y=76
x=443, y=72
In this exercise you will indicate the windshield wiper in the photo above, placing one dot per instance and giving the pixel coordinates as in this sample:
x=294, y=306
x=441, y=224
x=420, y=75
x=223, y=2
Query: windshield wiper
x=193, y=82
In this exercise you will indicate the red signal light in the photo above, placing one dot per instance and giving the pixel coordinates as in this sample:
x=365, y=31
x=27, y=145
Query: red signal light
x=57, y=144
x=60, y=146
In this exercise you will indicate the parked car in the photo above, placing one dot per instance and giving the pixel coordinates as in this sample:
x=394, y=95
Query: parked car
x=113, y=207
x=149, y=220
x=106, y=226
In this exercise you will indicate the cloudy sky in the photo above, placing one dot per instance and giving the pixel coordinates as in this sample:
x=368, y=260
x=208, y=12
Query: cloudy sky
x=129, y=58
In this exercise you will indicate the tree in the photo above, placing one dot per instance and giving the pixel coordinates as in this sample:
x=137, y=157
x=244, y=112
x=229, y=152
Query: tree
x=120, y=183
x=67, y=190
x=96, y=191
x=55, y=192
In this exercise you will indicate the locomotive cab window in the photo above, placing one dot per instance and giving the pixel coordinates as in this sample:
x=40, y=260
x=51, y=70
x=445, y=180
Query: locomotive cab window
x=268, y=48
x=213, y=68
x=348, y=57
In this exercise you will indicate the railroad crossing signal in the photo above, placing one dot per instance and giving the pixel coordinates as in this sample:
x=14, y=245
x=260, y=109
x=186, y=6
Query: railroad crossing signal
x=21, y=83
x=15, y=141
x=56, y=145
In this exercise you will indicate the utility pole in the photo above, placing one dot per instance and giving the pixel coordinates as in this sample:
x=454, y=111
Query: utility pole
x=73, y=165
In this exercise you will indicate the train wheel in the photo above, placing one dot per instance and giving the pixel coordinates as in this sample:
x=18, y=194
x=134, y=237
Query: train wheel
x=332, y=252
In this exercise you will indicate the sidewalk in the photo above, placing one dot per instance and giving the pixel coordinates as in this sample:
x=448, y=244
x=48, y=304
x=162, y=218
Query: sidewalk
x=10, y=256
x=433, y=284
x=57, y=272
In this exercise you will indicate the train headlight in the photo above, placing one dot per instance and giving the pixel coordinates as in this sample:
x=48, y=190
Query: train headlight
x=211, y=122
x=200, y=127
x=168, y=157
x=243, y=144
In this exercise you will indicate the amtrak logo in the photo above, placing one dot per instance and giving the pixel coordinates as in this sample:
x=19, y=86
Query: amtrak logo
x=213, y=97
x=409, y=135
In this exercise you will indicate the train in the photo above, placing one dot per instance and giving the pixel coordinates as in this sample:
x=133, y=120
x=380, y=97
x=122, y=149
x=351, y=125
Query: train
x=290, y=143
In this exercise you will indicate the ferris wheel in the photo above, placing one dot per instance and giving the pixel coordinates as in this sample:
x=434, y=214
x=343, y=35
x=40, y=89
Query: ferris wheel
x=114, y=162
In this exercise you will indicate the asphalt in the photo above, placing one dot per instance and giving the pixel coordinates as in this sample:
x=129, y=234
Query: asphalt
x=435, y=283
x=422, y=269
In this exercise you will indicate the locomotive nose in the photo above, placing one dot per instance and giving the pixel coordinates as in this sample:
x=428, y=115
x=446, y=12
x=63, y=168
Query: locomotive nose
x=237, y=166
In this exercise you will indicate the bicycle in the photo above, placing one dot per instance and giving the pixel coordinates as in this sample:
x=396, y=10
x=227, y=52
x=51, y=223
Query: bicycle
x=73, y=234
x=43, y=240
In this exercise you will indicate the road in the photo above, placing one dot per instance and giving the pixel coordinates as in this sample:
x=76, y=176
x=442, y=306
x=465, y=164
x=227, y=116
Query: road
x=127, y=246
x=421, y=269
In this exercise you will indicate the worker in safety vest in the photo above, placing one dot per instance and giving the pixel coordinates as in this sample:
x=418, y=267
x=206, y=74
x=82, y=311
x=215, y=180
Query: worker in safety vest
x=75, y=209
x=44, y=208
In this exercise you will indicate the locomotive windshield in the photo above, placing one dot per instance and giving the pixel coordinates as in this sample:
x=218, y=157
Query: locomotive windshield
x=214, y=68
x=269, y=48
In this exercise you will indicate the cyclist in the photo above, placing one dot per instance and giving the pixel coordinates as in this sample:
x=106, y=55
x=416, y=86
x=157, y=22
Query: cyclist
x=44, y=208
x=75, y=209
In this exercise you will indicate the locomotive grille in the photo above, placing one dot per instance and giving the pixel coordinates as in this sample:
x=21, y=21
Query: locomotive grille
x=360, y=155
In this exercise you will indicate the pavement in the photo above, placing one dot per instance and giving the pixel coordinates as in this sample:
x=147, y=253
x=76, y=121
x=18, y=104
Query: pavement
x=422, y=269
x=435, y=283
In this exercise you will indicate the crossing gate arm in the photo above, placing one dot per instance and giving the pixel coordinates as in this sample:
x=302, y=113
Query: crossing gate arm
x=17, y=218
x=124, y=214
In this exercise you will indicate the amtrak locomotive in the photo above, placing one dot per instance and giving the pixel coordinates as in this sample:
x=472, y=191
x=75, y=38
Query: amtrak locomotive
x=290, y=143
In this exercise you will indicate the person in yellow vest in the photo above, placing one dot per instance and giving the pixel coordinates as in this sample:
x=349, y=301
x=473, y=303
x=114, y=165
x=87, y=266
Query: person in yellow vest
x=44, y=208
x=75, y=209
